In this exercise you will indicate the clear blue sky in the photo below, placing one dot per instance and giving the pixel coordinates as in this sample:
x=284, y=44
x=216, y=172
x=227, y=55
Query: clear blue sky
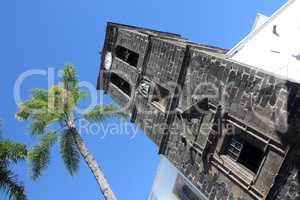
x=48, y=33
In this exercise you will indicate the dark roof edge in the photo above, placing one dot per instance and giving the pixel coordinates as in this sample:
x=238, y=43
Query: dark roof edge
x=171, y=36
x=144, y=29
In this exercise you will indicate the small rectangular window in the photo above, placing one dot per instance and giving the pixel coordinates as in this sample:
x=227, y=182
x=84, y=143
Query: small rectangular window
x=160, y=97
x=120, y=83
x=127, y=55
x=243, y=151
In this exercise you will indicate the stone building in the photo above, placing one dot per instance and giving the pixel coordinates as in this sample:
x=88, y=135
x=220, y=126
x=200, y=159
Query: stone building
x=232, y=129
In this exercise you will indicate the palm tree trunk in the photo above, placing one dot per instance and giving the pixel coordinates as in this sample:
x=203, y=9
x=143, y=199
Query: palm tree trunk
x=94, y=167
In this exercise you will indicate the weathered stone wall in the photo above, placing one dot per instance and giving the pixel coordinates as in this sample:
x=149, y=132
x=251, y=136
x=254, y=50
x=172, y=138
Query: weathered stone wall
x=150, y=119
x=165, y=62
x=290, y=190
x=257, y=101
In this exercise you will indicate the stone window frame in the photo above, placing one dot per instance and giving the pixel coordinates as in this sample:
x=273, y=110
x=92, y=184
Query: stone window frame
x=127, y=60
x=239, y=168
x=242, y=176
x=128, y=94
x=161, y=108
x=240, y=139
x=268, y=145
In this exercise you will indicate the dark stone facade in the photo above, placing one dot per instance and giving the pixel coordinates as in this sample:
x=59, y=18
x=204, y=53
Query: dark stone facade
x=230, y=128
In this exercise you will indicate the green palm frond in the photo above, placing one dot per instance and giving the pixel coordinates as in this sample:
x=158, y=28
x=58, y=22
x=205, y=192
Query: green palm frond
x=10, y=184
x=23, y=113
x=39, y=155
x=36, y=106
x=70, y=83
x=12, y=152
x=40, y=94
x=62, y=101
x=58, y=98
x=38, y=109
x=101, y=112
x=37, y=127
x=78, y=94
x=41, y=120
x=69, y=77
x=69, y=152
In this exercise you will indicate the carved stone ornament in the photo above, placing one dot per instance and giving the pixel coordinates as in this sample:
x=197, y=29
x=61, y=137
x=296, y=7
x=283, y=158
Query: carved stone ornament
x=144, y=88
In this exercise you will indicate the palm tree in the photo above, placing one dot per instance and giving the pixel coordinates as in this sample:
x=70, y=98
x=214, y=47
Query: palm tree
x=11, y=153
x=52, y=116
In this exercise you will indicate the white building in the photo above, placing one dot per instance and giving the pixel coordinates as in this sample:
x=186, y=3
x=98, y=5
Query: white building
x=274, y=43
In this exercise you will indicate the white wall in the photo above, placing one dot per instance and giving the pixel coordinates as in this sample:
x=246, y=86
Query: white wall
x=279, y=54
x=165, y=180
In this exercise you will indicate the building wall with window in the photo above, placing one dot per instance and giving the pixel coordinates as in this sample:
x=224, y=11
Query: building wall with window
x=228, y=127
x=274, y=46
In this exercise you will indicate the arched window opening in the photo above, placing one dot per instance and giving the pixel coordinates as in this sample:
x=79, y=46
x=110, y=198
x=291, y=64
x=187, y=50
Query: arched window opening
x=127, y=55
x=120, y=83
